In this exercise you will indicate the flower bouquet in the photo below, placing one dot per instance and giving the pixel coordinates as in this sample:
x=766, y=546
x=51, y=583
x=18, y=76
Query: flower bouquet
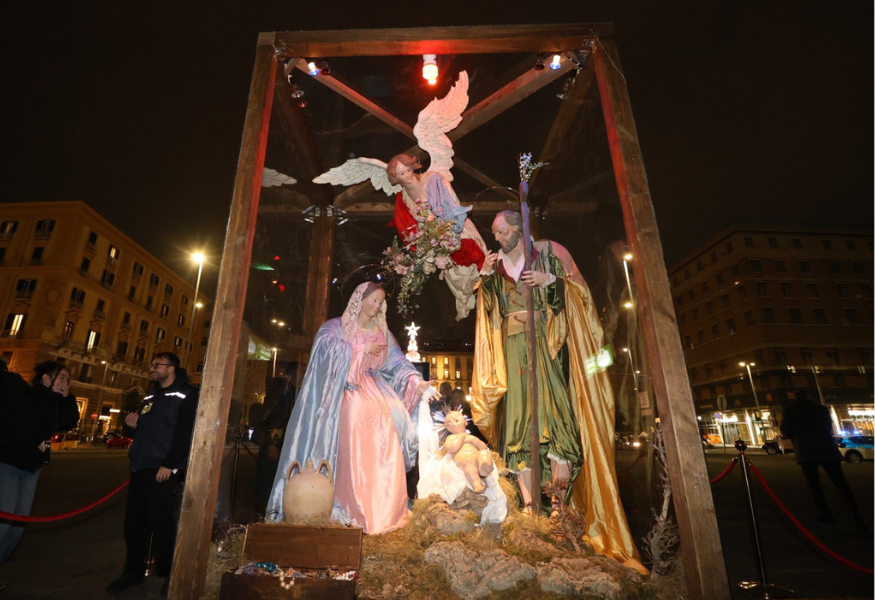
x=425, y=249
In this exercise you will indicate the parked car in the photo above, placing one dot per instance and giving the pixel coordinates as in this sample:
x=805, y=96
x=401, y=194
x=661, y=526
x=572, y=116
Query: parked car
x=118, y=441
x=774, y=446
x=856, y=448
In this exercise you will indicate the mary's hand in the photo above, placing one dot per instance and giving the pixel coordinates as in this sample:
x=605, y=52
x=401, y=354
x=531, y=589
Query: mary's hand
x=423, y=386
x=374, y=347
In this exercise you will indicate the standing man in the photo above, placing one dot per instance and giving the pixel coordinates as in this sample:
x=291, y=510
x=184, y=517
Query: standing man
x=565, y=321
x=162, y=431
x=810, y=427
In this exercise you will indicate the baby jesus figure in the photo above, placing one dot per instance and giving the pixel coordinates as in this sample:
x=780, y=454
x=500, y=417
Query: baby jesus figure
x=469, y=453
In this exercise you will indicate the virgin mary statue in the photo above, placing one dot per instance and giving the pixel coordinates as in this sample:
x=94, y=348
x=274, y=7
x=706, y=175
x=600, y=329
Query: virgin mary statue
x=354, y=411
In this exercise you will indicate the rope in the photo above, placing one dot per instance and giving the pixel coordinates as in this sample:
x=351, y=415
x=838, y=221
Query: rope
x=731, y=466
x=249, y=452
x=799, y=526
x=28, y=519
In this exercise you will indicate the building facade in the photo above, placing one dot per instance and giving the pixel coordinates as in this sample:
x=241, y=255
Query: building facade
x=449, y=361
x=75, y=289
x=795, y=306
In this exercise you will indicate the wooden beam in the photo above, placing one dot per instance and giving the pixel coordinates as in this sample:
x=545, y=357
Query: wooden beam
x=202, y=484
x=319, y=273
x=488, y=39
x=375, y=210
x=694, y=507
x=522, y=87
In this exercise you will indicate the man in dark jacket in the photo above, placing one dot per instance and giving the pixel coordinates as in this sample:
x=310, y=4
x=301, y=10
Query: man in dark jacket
x=162, y=431
x=810, y=427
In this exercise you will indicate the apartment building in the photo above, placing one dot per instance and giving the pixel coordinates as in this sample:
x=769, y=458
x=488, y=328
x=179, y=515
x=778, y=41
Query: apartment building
x=449, y=361
x=75, y=289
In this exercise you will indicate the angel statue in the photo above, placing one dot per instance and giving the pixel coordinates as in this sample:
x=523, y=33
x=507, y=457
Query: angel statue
x=430, y=191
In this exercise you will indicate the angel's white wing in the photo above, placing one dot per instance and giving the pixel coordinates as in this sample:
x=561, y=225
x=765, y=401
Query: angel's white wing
x=356, y=170
x=436, y=119
x=272, y=178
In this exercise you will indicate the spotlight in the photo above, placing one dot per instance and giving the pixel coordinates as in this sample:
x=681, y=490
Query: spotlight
x=324, y=68
x=556, y=63
x=302, y=103
x=429, y=68
x=312, y=69
x=296, y=91
x=539, y=63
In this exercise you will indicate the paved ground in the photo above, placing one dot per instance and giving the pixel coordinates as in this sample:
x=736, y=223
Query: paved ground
x=74, y=559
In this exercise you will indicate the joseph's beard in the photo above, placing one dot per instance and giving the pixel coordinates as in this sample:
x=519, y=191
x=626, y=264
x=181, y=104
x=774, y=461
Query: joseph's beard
x=512, y=242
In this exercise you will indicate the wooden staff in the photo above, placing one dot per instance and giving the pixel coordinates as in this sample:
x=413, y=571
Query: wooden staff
x=533, y=354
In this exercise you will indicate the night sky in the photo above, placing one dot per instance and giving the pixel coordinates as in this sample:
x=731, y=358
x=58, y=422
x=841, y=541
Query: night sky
x=746, y=111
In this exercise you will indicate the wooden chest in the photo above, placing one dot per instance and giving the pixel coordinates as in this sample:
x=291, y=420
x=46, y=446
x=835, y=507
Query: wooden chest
x=301, y=547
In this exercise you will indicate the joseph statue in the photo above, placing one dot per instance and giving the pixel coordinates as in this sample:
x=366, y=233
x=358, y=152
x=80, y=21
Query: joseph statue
x=576, y=414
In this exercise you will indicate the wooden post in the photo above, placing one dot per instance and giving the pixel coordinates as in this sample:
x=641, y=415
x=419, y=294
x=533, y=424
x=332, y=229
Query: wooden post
x=531, y=338
x=319, y=272
x=694, y=507
x=199, y=501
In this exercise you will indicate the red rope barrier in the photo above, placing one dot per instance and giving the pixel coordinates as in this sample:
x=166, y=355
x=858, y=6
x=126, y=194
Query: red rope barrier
x=807, y=533
x=249, y=452
x=28, y=519
x=731, y=466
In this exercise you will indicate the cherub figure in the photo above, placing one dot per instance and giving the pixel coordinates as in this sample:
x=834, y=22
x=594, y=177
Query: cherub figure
x=431, y=190
x=469, y=453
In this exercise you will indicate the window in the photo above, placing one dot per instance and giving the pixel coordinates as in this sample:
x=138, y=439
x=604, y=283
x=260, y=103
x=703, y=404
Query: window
x=780, y=356
x=683, y=320
x=704, y=286
x=736, y=270
x=780, y=266
x=139, y=354
x=807, y=358
x=149, y=301
x=713, y=257
x=865, y=356
x=805, y=266
x=14, y=324
x=153, y=281
x=773, y=242
x=694, y=374
x=762, y=289
x=24, y=288
x=850, y=245
x=686, y=273
x=787, y=290
x=795, y=315
x=858, y=268
x=729, y=248
x=36, y=258
x=715, y=331
x=93, y=340
x=796, y=243
x=768, y=315
x=177, y=341
x=819, y=316
x=92, y=239
x=98, y=311
x=138, y=269
x=122, y=349
x=77, y=298
x=835, y=266
x=434, y=360
x=691, y=294
x=742, y=292
x=184, y=300
x=866, y=289
x=112, y=255
x=165, y=310
x=709, y=308
x=69, y=328
x=108, y=279
x=688, y=342
x=144, y=325
x=180, y=320
x=696, y=315
x=168, y=290
x=204, y=343
x=709, y=372
x=748, y=242
x=832, y=356
x=756, y=265
x=851, y=316
x=44, y=228
x=2, y=254
x=86, y=264
x=458, y=374
x=159, y=335
x=7, y=229
x=701, y=336
x=723, y=367
x=126, y=318
x=748, y=318
x=827, y=244
x=699, y=265
x=730, y=325
x=812, y=290
x=725, y=300
x=843, y=290
x=719, y=278
x=679, y=300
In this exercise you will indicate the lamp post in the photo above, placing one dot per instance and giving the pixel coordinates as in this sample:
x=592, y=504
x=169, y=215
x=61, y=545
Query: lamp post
x=197, y=257
x=274, y=361
x=99, y=397
x=754, y=390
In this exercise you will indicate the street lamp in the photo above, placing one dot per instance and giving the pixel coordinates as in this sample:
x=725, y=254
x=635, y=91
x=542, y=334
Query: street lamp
x=753, y=389
x=274, y=361
x=100, y=397
x=197, y=257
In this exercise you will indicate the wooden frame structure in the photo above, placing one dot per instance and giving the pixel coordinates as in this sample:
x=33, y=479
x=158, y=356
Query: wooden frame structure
x=277, y=53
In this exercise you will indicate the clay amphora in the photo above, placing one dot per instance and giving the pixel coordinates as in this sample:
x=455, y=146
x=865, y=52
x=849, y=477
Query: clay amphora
x=309, y=494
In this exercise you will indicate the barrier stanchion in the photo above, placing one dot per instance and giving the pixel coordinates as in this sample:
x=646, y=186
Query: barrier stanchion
x=758, y=589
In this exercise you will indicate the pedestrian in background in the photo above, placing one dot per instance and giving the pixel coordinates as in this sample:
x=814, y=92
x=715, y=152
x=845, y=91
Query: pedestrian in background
x=810, y=427
x=29, y=417
x=162, y=431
